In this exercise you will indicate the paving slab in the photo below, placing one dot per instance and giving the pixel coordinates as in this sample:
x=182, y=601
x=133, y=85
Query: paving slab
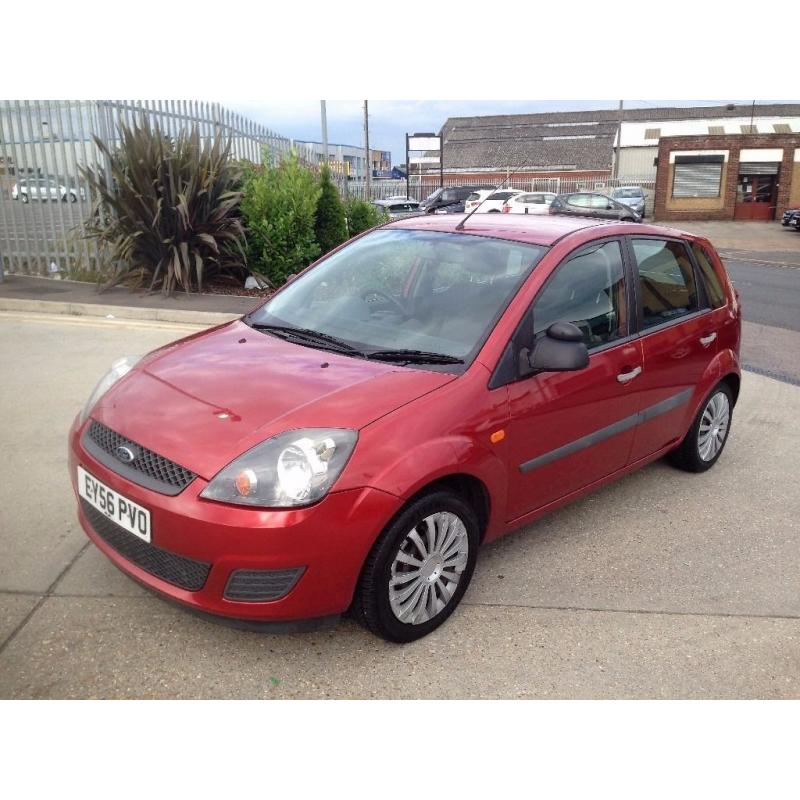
x=768, y=238
x=92, y=574
x=661, y=585
x=13, y=609
x=52, y=370
x=143, y=648
x=723, y=542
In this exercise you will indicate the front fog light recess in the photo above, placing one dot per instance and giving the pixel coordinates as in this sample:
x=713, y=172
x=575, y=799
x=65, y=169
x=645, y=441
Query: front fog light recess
x=294, y=469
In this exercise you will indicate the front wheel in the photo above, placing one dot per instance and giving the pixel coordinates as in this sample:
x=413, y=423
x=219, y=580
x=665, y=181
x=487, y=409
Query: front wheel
x=419, y=569
x=705, y=441
x=24, y=198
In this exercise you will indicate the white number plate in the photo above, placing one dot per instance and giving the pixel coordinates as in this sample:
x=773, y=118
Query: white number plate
x=124, y=512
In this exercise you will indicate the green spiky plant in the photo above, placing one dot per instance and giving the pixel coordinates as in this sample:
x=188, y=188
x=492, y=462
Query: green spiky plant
x=172, y=216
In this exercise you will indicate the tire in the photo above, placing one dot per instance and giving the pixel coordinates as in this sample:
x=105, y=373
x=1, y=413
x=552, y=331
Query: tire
x=72, y=198
x=493, y=211
x=690, y=455
x=627, y=219
x=378, y=606
x=23, y=198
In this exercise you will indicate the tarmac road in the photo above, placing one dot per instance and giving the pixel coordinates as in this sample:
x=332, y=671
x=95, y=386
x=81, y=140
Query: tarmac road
x=663, y=584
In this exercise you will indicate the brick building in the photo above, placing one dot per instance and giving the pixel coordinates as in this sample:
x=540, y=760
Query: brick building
x=722, y=177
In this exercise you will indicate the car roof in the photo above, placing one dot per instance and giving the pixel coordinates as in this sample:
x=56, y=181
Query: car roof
x=531, y=229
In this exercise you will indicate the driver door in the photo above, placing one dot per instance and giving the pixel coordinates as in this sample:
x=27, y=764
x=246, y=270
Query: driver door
x=570, y=429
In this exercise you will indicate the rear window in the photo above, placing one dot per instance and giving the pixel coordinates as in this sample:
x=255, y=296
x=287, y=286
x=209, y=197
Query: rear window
x=711, y=281
x=501, y=195
x=629, y=192
x=666, y=281
x=474, y=196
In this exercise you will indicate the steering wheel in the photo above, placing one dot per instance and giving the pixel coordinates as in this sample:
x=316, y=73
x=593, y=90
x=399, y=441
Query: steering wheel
x=392, y=300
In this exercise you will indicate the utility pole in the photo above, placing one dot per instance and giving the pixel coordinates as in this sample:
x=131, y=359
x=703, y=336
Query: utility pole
x=619, y=142
x=324, y=116
x=367, y=165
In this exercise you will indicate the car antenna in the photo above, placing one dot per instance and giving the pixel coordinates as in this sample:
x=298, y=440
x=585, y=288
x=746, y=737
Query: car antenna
x=460, y=226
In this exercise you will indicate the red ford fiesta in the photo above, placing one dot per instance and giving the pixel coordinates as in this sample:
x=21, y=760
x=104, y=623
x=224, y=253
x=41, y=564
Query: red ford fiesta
x=352, y=442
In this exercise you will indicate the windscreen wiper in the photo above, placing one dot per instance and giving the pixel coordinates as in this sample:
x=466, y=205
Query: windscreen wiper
x=307, y=336
x=413, y=357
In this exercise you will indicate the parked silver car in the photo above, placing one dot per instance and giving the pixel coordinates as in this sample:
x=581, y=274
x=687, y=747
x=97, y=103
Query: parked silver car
x=397, y=208
x=27, y=189
x=631, y=196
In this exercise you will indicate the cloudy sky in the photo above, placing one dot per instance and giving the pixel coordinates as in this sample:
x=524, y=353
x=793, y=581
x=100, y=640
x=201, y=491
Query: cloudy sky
x=389, y=120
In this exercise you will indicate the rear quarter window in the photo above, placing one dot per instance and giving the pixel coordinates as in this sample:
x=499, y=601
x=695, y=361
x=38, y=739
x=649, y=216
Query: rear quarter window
x=709, y=276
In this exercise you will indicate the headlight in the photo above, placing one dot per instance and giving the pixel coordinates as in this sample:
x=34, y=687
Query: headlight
x=120, y=368
x=296, y=468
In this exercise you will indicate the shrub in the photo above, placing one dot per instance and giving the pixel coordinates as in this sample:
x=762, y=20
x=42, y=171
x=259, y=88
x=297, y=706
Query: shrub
x=362, y=215
x=279, y=207
x=172, y=215
x=330, y=225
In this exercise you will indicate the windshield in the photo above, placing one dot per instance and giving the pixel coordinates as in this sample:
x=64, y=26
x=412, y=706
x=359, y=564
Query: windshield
x=431, y=197
x=628, y=192
x=406, y=290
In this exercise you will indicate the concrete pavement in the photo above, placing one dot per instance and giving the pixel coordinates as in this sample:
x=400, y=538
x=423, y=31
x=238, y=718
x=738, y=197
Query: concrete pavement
x=661, y=585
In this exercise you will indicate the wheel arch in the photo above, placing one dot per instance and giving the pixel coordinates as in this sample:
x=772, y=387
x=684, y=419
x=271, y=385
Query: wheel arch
x=734, y=383
x=471, y=489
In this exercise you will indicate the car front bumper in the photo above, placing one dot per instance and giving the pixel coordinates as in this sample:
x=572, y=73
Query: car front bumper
x=326, y=544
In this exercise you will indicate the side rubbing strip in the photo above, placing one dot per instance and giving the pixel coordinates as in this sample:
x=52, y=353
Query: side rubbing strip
x=598, y=436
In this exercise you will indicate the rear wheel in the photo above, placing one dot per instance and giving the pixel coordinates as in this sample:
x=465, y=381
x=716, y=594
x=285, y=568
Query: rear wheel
x=708, y=434
x=24, y=198
x=419, y=569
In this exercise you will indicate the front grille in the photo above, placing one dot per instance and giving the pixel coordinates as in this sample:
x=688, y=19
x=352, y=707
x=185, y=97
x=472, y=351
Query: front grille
x=180, y=571
x=260, y=585
x=147, y=468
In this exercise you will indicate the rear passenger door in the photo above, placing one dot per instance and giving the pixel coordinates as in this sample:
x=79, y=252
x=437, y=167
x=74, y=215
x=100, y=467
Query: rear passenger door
x=678, y=336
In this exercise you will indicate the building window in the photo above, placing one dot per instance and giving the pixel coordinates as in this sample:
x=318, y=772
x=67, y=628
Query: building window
x=652, y=133
x=749, y=128
x=782, y=127
x=697, y=176
x=716, y=130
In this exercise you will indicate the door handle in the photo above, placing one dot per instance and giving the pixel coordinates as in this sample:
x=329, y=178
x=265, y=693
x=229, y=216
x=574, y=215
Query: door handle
x=706, y=340
x=625, y=377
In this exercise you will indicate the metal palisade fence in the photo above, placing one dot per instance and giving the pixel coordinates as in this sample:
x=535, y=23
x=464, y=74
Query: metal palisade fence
x=43, y=144
x=419, y=187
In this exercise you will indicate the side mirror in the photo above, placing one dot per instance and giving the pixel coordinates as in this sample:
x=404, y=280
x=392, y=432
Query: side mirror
x=561, y=349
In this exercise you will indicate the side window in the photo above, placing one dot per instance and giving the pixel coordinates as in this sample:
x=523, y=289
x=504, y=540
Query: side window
x=714, y=292
x=666, y=281
x=599, y=201
x=580, y=200
x=588, y=289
